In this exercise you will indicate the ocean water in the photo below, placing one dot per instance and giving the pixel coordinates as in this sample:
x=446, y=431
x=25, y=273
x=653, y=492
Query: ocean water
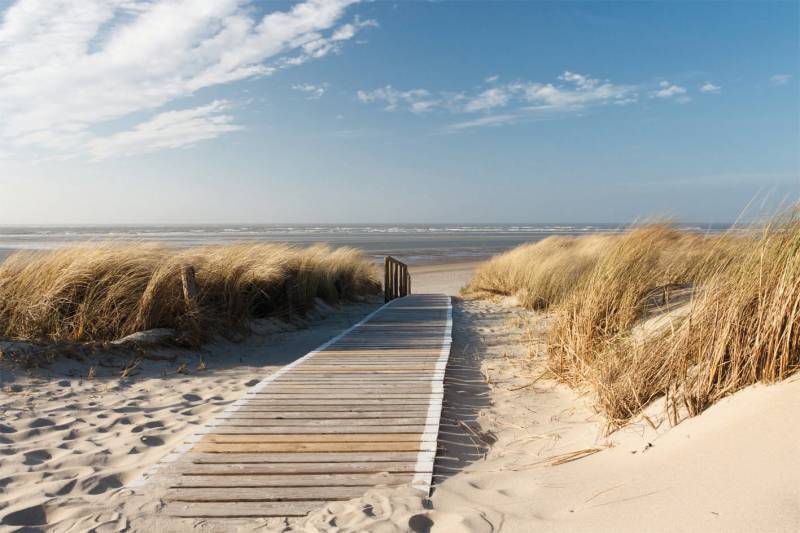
x=412, y=243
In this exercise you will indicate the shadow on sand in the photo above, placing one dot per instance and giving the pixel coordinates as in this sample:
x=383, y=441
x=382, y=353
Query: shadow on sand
x=466, y=393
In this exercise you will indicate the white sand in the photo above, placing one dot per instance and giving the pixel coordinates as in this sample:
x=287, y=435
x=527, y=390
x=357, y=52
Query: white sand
x=70, y=444
x=441, y=278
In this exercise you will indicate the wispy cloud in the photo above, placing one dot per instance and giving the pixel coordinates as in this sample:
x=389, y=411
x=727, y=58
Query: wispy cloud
x=490, y=120
x=312, y=92
x=416, y=100
x=171, y=129
x=576, y=92
x=669, y=90
x=710, y=88
x=505, y=103
x=66, y=67
x=780, y=79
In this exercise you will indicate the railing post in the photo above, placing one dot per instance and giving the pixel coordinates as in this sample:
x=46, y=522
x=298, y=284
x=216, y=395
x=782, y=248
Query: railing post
x=396, y=279
x=386, y=294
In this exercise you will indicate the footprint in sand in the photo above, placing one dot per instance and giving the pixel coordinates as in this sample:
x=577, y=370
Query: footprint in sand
x=192, y=397
x=7, y=429
x=30, y=516
x=419, y=523
x=147, y=425
x=41, y=423
x=36, y=457
x=252, y=383
x=66, y=488
x=103, y=484
x=152, y=440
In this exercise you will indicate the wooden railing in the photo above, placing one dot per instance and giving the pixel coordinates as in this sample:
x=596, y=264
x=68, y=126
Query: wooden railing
x=396, y=279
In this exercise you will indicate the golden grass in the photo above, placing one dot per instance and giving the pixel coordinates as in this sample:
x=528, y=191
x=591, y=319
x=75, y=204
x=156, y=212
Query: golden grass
x=105, y=291
x=734, y=318
x=539, y=274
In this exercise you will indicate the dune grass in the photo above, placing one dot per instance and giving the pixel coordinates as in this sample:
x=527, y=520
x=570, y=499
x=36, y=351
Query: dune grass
x=738, y=324
x=99, y=292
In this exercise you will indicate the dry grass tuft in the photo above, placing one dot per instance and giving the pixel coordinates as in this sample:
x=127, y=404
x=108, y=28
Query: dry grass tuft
x=106, y=291
x=540, y=274
x=659, y=312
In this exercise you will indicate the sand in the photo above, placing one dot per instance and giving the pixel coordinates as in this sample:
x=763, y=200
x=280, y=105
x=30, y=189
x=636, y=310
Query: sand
x=445, y=278
x=69, y=445
x=518, y=452
x=539, y=460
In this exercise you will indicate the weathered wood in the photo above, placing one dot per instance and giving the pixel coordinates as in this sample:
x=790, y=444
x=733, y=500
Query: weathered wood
x=333, y=416
x=361, y=428
x=344, y=460
x=294, y=480
x=300, y=447
x=356, y=414
x=240, y=509
x=190, y=288
x=313, y=438
x=337, y=410
x=396, y=279
x=263, y=494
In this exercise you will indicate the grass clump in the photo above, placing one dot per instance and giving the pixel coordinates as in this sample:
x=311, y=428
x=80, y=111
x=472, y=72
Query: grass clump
x=98, y=292
x=657, y=312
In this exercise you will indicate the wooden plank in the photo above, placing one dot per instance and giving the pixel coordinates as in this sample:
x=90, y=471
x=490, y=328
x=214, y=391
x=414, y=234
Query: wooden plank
x=340, y=402
x=300, y=447
x=294, y=480
x=310, y=429
x=353, y=466
x=240, y=509
x=263, y=494
x=346, y=394
x=378, y=408
x=317, y=414
x=319, y=437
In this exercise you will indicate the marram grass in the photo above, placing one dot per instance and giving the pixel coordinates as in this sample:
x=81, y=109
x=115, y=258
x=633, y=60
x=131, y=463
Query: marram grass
x=97, y=292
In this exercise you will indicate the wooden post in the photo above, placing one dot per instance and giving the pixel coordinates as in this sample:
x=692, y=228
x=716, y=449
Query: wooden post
x=190, y=288
x=396, y=279
x=386, y=294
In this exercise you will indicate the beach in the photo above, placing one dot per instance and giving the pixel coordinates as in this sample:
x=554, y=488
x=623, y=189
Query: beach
x=517, y=451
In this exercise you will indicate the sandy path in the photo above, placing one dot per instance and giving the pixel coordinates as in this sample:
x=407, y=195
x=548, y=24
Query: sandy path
x=443, y=278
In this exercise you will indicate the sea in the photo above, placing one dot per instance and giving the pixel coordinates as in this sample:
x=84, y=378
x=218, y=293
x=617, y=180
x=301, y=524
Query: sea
x=415, y=244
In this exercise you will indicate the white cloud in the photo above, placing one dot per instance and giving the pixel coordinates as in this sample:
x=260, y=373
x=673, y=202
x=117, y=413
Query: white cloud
x=669, y=90
x=577, y=92
x=68, y=66
x=491, y=79
x=488, y=99
x=171, y=129
x=416, y=100
x=710, y=88
x=780, y=79
x=313, y=92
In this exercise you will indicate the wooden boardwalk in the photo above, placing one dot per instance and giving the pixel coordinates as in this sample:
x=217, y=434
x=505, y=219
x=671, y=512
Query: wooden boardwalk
x=360, y=411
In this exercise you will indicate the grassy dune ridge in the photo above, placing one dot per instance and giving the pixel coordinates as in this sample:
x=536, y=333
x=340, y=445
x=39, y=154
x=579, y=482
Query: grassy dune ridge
x=103, y=291
x=656, y=312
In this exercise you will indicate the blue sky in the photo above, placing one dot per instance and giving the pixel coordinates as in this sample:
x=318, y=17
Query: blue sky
x=126, y=111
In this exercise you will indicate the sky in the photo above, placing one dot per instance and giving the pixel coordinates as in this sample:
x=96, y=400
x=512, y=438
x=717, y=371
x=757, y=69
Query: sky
x=336, y=111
